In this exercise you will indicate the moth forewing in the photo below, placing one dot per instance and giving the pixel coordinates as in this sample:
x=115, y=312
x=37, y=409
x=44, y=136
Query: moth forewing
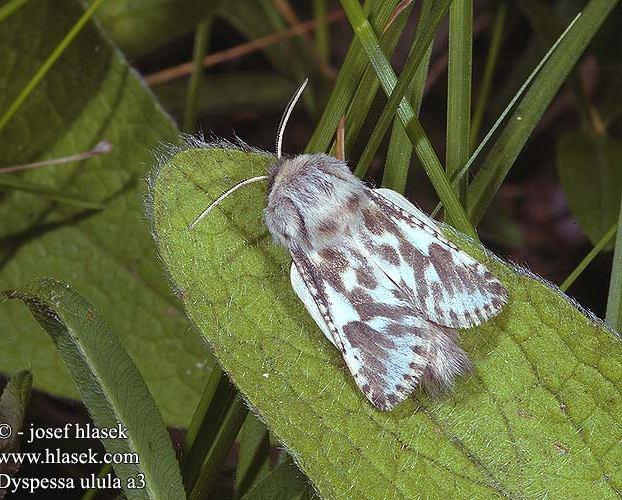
x=448, y=286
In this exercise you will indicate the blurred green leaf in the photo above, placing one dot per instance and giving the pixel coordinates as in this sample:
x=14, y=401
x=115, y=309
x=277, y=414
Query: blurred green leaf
x=141, y=26
x=15, y=183
x=228, y=93
x=111, y=386
x=590, y=174
x=542, y=413
x=13, y=406
x=499, y=227
x=90, y=94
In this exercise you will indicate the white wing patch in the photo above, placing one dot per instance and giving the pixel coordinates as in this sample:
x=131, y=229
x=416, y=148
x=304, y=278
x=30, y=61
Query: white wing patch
x=446, y=284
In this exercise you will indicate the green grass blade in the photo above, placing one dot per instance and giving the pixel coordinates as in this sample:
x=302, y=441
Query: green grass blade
x=348, y=81
x=532, y=106
x=390, y=84
x=253, y=456
x=222, y=444
x=613, y=316
x=523, y=88
x=400, y=150
x=216, y=402
x=92, y=493
x=196, y=429
x=588, y=258
x=459, y=68
x=425, y=35
x=111, y=386
x=359, y=110
x=48, y=63
x=496, y=39
x=322, y=34
x=10, y=7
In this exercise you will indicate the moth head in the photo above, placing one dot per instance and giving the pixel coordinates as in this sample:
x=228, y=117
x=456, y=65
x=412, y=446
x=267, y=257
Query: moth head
x=312, y=200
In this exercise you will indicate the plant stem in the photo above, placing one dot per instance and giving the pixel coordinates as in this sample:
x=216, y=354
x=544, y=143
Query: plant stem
x=322, y=35
x=10, y=7
x=222, y=443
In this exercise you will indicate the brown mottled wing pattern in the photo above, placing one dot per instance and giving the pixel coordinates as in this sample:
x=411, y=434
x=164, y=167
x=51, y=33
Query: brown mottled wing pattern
x=384, y=341
x=446, y=284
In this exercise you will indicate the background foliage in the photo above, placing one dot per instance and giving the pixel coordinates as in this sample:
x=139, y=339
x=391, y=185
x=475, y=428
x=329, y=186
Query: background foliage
x=83, y=223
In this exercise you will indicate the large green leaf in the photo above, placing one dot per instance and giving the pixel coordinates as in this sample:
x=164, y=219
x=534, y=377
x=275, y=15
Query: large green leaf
x=111, y=387
x=541, y=414
x=89, y=94
x=590, y=174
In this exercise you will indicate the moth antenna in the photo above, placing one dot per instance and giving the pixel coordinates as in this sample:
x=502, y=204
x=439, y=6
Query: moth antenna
x=230, y=191
x=285, y=118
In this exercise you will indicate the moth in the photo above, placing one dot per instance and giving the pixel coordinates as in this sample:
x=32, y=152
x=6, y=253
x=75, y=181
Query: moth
x=375, y=273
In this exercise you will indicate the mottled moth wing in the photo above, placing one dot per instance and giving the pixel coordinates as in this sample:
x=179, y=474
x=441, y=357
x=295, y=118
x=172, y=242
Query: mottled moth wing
x=388, y=295
x=385, y=342
x=446, y=284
